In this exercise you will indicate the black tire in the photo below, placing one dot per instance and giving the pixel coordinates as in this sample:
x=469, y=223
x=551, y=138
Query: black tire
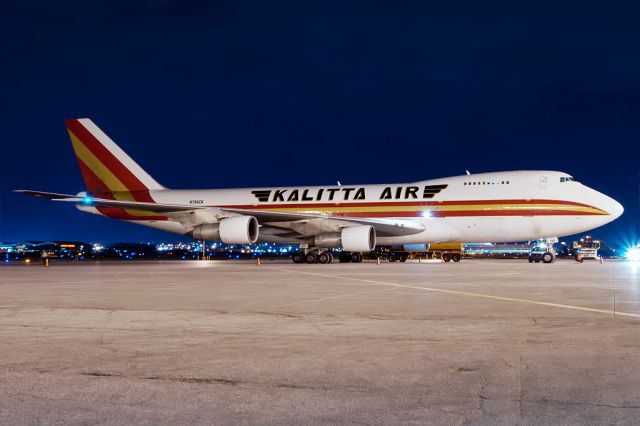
x=446, y=257
x=537, y=261
x=344, y=257
x=323, y=258
x=402, y=258
x=356, y=257
x=310, y=257
x=330, y=256
x=457, y=257
x=548, y=257
x=297, y=257
x=392, y=257
x=530, y=260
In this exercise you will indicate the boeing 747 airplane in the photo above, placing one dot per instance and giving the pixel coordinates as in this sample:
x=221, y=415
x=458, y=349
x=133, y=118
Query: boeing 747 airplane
x=497, y=206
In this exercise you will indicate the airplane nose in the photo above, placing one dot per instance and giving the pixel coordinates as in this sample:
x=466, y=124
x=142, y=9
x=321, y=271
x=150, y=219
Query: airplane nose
x=612, y=207
x=615, y=208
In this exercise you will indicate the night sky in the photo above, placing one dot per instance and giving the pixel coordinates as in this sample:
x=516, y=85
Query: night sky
x=231, y=94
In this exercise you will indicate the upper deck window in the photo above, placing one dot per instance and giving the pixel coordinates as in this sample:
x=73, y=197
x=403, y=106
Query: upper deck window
x=504, y=182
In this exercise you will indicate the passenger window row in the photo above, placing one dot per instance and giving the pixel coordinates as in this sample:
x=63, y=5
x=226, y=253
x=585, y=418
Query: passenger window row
x=497, y=182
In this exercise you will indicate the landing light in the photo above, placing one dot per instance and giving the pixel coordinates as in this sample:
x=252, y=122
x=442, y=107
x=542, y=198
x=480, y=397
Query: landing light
x=86, y=200
x=426, y=213
x=633, y=254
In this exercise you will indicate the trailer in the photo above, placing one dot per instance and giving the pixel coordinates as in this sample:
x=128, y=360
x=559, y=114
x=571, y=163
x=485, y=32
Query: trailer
x=445, y=251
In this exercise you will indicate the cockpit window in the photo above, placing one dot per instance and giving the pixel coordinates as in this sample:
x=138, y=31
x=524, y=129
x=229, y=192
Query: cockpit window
x=567, y=179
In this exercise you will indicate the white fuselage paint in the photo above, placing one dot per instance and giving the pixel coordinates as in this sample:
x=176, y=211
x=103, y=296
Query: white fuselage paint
x=506, y=225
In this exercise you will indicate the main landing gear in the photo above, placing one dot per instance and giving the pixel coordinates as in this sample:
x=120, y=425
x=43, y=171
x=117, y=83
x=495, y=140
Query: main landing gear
x=325, y=257
x=346, y=257
x=312, y=257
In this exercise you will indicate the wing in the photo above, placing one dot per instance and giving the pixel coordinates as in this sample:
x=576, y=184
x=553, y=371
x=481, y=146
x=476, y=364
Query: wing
x=384, y=227
x=288, y=221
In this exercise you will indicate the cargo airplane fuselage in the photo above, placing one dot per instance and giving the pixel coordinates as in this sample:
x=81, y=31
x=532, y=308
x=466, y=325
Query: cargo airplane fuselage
x=497, y=206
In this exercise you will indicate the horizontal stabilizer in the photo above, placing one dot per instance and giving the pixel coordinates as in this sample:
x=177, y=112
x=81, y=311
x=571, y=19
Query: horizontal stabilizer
x=47, y=195
x=101, y=202
x=134, y=205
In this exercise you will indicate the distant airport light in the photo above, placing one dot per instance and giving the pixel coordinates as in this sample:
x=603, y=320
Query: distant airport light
x=633, y=254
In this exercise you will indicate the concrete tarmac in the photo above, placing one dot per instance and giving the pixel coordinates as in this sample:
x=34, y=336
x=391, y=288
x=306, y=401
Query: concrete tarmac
x=479, y=342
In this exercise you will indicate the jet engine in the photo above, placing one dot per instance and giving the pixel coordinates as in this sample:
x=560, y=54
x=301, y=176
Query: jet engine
x=231, y=230
x=352, y=238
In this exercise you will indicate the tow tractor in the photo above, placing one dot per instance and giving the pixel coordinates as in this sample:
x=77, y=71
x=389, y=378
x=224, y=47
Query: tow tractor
x=543, y=251
x=587, y=247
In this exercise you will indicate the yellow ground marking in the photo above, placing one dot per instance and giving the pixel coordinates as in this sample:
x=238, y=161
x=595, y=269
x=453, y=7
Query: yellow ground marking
x=471, y=294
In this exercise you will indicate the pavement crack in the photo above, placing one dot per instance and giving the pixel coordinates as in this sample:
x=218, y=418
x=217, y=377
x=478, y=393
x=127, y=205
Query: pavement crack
x=204, y=380
x=230, y=382
x=100, y=374
x=523, y=369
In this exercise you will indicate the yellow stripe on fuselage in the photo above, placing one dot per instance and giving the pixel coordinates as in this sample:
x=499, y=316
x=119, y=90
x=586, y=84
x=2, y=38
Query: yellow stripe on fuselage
x=439, y=208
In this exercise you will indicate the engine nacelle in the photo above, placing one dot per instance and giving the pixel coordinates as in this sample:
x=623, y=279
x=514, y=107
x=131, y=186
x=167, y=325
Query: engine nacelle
x=328, y=240
x=207, y=232
x=352, y=238
x=231, y=230
x=358, y=238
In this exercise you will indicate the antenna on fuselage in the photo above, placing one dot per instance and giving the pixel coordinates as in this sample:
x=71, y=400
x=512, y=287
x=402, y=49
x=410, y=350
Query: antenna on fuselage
x=467, y=172
x=339, y=184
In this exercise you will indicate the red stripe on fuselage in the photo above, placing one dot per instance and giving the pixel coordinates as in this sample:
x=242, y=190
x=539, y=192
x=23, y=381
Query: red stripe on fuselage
x=119, y=213
x=465, y=213
x=401, y=203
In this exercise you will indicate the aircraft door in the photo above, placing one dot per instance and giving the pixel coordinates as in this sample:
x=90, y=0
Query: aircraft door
x=543, y=182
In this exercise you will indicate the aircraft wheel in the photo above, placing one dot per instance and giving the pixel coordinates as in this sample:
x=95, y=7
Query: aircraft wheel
x=330, y=256
x=297, y=257
x=446, y=257
x=392, y=257
x=323, y=257
x=402, y=258
x=547, y=257
x=457, y=257
x=344, y=257
x=311, y=257
x=530, y=260
x=356, y=257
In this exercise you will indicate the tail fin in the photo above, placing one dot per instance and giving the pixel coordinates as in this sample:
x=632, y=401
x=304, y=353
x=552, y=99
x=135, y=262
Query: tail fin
x=105, y=167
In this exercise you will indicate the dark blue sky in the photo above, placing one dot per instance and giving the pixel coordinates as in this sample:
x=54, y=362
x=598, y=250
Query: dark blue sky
x=224, y=94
